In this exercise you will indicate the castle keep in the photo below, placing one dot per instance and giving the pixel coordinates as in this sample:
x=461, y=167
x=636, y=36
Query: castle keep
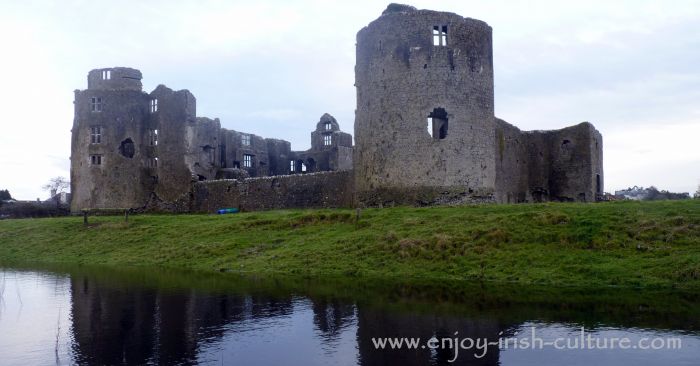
x=425, y=133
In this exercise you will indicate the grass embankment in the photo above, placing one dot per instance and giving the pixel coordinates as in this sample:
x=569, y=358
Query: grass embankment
x=622, y=243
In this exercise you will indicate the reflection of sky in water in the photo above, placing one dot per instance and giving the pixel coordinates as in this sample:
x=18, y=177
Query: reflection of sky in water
x=264, y=329
x=29, y=318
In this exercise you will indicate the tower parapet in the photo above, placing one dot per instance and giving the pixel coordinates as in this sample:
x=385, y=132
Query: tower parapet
x=115, y=78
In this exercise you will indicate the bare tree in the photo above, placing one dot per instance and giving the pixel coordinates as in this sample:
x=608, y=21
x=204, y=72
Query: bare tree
x=56, y=186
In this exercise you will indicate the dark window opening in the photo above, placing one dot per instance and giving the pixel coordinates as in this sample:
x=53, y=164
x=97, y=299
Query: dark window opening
x=237, y=164
x=598, y=185
x=96, y=104
x=565, y=143
x=96, y=159
x=222, y=156
x=201, y=177
x=95, y=134
x=300, y=166
x=311, y=165
x=127, y=148
x=437, y=124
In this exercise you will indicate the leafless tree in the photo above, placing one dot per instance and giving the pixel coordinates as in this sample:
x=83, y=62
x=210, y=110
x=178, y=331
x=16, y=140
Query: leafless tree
x=56, y=186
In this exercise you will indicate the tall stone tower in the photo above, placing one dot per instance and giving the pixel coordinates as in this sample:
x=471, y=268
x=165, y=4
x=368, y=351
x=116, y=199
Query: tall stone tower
x=424, y=124
x=109, y=129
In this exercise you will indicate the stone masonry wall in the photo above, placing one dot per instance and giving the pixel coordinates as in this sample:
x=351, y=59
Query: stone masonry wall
x=558, y=165
x=402, y=78
x=314, y=190
x=119, y=113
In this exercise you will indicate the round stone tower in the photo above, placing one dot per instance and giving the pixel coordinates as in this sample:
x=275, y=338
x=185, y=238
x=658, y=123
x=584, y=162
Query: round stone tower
x=424, y=124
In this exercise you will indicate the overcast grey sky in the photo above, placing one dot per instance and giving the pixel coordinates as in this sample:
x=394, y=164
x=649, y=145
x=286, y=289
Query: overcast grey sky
x=272, y=68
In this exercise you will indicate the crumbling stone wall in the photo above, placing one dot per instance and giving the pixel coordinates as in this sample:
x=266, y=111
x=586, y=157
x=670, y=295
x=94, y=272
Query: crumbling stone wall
x=425, y=130
x=176, y=111
x=314, y=190
x=558, y=165
x=402, y=79
x=425, y=127
x=153, y=147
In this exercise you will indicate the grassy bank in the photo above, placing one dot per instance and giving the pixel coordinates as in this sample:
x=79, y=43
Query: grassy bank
x=645, y=244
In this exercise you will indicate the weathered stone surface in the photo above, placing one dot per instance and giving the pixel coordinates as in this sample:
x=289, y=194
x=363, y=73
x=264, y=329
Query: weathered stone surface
x=401, y=79
x=136, y=150
x=315, y=190
x=425, y=134
x=559, y=165
x=418, y=64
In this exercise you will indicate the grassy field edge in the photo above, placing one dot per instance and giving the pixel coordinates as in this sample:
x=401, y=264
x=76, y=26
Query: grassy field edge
x=625, y=244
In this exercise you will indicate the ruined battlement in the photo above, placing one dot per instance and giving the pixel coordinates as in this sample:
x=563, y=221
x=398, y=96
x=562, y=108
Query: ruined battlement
x=130, y=148
x=424, y=102
x=115, y=78
x=425, y=133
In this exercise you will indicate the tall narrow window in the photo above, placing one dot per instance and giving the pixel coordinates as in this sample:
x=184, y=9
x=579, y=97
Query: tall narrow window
x=154, y=105
x=328, y=126
x=247, y=161
x=292, y=168
x=245, y=140
x=153, y=137
x=96, y=104
x=440, y=35
x=152, y=162
x=96, y=135
x=96, y=159
x=327, y=140
x=106, y=74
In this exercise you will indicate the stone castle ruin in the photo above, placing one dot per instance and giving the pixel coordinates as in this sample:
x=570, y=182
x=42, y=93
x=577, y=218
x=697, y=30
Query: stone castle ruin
x=425, y=133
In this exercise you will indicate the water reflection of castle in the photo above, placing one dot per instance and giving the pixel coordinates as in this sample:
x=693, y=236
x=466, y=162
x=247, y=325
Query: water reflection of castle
x=115, y=324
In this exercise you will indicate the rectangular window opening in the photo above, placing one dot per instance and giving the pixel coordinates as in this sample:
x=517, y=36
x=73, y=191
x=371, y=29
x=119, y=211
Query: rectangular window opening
x=96, y=134
x=245, y=140
x=440, y=35
x=291, y=166
x=96, y=104
x=153, y=137
x=106, y=74
x=247, y=160
x=96, y=159
x=154, y=105
x=327, y=140
x=328, y=126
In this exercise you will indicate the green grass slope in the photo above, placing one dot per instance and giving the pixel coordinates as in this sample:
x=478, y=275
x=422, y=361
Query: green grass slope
x=630, y=244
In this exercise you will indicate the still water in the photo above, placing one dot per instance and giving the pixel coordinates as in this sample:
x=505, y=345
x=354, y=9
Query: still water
x=104, y=316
